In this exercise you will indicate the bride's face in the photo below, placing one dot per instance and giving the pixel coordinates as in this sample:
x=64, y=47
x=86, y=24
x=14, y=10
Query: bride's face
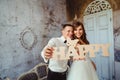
x=78, y=32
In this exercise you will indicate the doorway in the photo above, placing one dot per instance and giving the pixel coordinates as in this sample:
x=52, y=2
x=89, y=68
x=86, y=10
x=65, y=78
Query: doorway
x=98, y=23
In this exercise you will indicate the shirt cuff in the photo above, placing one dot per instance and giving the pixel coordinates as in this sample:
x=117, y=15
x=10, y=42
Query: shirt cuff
x=45, y=60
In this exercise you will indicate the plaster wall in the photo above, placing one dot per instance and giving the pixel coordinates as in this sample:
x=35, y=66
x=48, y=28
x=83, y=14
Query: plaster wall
x=25, y=28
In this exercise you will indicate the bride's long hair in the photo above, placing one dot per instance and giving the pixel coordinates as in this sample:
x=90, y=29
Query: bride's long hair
x=83, y=37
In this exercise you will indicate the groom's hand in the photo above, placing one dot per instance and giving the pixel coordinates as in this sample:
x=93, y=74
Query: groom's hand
x=48, y=52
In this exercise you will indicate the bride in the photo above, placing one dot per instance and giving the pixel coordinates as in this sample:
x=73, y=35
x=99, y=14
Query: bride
x=82, y=69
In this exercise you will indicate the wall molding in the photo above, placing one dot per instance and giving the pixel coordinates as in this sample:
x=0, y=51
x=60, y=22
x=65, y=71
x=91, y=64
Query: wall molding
x=28, y=38
x=97, y=6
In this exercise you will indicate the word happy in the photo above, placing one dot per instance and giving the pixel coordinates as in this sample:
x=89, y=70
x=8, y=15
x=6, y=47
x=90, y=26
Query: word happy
x=62, y=53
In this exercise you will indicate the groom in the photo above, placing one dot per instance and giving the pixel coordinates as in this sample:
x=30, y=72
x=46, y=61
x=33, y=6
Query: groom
x=57, y=68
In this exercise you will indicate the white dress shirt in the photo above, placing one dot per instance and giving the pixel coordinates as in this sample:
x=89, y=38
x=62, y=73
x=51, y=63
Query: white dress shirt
x=56, y=65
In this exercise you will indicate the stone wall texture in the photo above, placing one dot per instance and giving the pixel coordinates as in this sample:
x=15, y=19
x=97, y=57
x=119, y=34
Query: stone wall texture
x=25, y=27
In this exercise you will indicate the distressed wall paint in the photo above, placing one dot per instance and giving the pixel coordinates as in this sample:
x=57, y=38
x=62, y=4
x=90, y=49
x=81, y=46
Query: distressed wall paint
x=117, y=34
x=43, y=17
x=77, y=7
x=116, y=24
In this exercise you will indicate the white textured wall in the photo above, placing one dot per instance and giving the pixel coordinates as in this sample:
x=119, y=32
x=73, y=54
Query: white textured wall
x=117, y=70
x=116, y=21
x=117, y=29
x=25, y=27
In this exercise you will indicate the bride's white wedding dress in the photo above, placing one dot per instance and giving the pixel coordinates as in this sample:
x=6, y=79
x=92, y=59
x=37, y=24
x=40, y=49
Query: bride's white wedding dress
x=82, y=70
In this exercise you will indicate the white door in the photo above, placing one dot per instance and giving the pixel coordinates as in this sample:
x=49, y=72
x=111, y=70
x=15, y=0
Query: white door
x=99, y=30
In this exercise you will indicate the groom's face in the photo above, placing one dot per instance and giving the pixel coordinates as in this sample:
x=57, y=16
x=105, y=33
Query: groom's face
x=67, y=32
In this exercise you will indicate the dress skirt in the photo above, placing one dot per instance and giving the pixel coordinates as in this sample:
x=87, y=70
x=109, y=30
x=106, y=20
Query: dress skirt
x=82, y=70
